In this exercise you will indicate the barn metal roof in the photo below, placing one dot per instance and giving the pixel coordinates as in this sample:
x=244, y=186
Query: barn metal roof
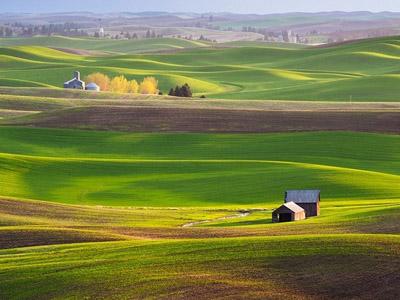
x=302, y=196
x=293, y=207
x=74, y=80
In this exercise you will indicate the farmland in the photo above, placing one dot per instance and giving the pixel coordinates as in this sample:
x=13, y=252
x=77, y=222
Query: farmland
x=109, y=204
x=127, y=196
x=125, y=168
x=359, y=71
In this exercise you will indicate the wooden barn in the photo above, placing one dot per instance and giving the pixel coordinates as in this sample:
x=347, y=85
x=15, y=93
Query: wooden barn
x=75, y=83
x=308, y=199
x=288, y=212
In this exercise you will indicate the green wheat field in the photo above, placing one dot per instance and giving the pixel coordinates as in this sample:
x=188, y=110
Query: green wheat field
x=90, y=214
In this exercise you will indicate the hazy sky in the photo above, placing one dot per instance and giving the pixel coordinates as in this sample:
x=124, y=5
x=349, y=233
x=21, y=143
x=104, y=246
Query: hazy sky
x=244, y=6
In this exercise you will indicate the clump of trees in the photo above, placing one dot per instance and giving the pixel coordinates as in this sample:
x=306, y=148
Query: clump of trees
x=18, y=29
x=181, y=91
x=120, y=84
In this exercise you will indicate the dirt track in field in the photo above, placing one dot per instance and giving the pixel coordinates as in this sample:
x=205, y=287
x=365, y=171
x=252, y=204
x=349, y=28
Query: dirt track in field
x=155, y=119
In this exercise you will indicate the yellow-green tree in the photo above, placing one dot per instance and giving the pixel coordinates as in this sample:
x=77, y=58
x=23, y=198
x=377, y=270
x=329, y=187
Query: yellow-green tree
x=119, y=84
x=102, y=80
x=149, y=86
x=133, y=87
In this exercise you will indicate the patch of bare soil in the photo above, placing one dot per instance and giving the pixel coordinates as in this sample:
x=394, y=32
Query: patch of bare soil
x=26, y=237
x=153, y=119
x=341, y=276
x=182, y=233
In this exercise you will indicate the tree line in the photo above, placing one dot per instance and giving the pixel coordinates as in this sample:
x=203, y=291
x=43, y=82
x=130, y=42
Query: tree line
x=28, y=30
x=148, y=86
x=119, y=84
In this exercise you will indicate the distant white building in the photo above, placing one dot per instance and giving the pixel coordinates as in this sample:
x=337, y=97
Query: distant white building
x=289, y=36
x=93, y=87
x=101, y=32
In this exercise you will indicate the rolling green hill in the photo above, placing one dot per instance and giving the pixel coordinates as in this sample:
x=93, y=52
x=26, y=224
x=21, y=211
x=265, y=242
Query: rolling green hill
x=174, y=169
x=189, y=215
x=108, y=46
x=366, y=70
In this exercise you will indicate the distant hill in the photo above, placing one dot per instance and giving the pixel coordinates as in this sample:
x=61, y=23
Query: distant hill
x=366, y=70
x=320, y=27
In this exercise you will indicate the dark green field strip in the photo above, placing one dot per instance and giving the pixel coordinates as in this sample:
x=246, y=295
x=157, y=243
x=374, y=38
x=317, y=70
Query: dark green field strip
x=178, y=183
x=339, y=266
x=341, y=149
x=183, y=170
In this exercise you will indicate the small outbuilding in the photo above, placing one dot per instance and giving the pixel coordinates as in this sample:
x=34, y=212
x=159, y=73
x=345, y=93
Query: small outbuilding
x=288, y=212
x=309, y=200
x=93, y=87
x=75, y=83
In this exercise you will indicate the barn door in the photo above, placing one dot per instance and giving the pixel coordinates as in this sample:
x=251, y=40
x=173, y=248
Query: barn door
x=285, y=217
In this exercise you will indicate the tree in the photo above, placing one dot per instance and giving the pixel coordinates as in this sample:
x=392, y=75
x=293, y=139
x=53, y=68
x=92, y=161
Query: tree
x=148, y=34
x=149, y=86
x=119, y=84
x=103, y=81
x=177, y=91
x=186, y=91
x=133, y=87
x=171, y=92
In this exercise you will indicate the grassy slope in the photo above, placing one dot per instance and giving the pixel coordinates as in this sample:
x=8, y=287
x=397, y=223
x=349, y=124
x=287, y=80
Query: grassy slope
x=172, y=170
x=361, y=71
x=249, y=267
x=354, y=241
x=50, y=98
x=112, y=46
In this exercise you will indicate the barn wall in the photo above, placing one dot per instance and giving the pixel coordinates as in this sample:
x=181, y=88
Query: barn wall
x=294, y=216
x=312, y=209
x=299, y=216
x=75, y=84
x=275, y=218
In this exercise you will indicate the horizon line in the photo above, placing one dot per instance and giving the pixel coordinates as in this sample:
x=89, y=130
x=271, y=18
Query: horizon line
x=205, y=12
